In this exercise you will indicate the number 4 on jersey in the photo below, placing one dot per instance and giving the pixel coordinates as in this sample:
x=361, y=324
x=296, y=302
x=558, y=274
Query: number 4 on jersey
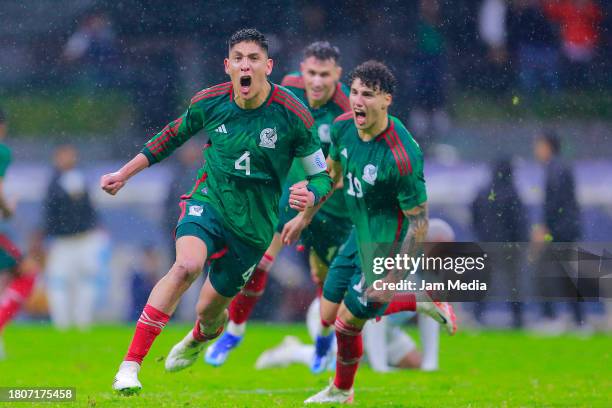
x=246, y=159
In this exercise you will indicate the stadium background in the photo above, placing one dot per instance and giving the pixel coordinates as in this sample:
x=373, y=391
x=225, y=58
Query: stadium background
x=106, y=75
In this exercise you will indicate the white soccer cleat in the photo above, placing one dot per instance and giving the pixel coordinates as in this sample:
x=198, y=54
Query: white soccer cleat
x=184, y=353
x=441, y=312
x=331, y=394
x=279, y=356
x=126, y=380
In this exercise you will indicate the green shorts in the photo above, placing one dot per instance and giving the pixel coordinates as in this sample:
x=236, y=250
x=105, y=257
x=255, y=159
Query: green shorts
x=231, y=260
x=325, y=234
x=10, y=255
x=345, y=282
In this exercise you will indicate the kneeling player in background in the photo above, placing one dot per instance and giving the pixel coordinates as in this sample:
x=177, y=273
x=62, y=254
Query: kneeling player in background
x=386, y=346
x=317, y=86
x=381, y=168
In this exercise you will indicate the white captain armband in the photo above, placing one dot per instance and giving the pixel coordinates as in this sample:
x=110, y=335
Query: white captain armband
x=314, y=163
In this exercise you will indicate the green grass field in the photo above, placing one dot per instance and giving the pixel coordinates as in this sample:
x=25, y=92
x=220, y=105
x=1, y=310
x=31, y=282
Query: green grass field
x=493, y=369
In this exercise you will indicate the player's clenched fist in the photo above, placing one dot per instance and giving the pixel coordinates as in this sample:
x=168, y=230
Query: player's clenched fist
x=112, y=182
x=300, y=197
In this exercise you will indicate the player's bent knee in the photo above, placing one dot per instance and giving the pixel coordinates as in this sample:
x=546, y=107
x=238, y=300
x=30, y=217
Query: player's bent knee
x=348, y=318
x=212, y=317
x=412, y=360
x=186, y=269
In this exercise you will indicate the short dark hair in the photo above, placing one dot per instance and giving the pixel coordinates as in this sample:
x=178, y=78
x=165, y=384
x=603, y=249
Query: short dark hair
x=375, y=75
x=551, y=138
x=322, y=50
x=249, y=35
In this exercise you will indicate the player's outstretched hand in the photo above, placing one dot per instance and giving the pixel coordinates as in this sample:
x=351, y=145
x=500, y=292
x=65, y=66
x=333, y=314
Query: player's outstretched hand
x=300, y=197
x=293, y=229
x=112, y=182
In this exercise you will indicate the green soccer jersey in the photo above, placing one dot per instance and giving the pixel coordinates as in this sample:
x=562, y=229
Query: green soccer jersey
x=249, y=155
x=323, y=117
x=382, y=177
x=5, y=158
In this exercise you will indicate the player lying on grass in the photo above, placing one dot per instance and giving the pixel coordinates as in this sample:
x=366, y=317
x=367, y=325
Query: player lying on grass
x=386, y=347
x=381, y=167
x=17, y=273
x=317, y=86
x=386, y=344
x=256, y=129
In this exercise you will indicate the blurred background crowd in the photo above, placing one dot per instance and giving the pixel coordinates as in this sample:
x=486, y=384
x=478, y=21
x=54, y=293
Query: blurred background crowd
x=510, y=100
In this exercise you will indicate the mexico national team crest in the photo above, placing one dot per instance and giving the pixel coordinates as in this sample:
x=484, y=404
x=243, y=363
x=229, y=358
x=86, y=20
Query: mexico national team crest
x=369, y=174
x=267, y=138
x=196, y=210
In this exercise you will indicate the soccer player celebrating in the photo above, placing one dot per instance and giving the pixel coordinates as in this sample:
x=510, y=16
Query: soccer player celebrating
x=317, y=86
x=381, y=168
x=21, y=271
x=256, y=129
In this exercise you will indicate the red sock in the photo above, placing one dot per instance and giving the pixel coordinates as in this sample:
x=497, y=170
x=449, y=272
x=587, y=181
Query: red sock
x=14, y=296
x=199, y=336
x=402, y=303
x=150, y=324
x=350, y=350
x=243, y=304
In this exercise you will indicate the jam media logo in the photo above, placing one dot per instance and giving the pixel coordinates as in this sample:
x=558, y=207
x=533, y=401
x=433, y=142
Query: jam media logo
x=370, y=172
x=267, y=138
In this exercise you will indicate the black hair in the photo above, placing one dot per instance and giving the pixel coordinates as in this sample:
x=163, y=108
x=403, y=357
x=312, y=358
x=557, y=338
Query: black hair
x=323, y=51
x=375, y=75
x=249, y=35
x=551, y=137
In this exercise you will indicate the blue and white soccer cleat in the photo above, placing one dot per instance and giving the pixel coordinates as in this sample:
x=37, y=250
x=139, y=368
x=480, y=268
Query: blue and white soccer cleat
x=218, y=352
x=322, y=355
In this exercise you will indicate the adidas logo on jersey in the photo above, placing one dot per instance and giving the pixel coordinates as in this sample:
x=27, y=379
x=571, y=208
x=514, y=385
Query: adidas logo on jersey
x=344, y=153
x=221, y=129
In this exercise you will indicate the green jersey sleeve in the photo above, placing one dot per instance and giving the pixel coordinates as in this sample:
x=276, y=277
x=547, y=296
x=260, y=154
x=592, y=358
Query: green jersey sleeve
x=334, y=153
x=5, y=159
x=411, y=185
x=336, y=130
x=175, y=133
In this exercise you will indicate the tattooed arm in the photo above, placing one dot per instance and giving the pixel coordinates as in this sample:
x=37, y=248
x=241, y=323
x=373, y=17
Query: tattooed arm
x=412, y=245
x=418, y=218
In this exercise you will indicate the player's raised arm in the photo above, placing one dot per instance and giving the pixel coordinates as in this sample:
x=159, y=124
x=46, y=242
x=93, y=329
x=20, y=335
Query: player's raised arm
x=157, y=148
x=113, y=182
